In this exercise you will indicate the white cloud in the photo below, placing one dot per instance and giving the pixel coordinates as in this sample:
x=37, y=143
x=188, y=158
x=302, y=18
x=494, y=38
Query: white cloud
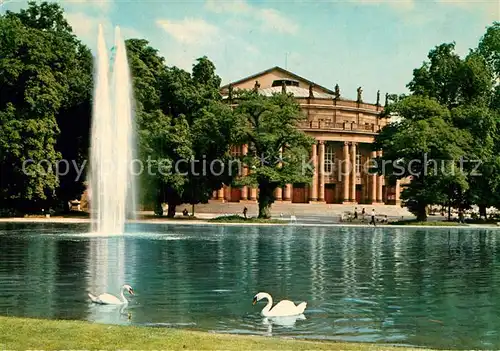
x=397, y=4
x=86, y=26
x=233, y=6
x=273, y=19
x=270, y=19
x=190, y=30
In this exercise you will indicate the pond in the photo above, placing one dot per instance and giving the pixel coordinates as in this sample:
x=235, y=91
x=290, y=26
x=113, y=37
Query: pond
x=423, y=287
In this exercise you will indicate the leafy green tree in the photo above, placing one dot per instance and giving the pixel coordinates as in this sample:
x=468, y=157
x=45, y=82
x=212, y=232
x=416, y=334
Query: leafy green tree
x=426, y=147
x=464, y=88
x=174, y=109
x=45, y=79
x=278, y=151
x=489, y=47
x=439, y=77
x=211, y=125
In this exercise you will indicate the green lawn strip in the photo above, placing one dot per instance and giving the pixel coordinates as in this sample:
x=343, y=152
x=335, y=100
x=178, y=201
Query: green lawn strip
x=240, y=219
x=40, y=334
x=428, y=223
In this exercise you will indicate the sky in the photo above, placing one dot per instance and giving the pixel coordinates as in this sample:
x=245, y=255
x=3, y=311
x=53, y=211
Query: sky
x=374, y=44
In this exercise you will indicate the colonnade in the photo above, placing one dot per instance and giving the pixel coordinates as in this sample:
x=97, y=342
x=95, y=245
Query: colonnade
x=348, y=178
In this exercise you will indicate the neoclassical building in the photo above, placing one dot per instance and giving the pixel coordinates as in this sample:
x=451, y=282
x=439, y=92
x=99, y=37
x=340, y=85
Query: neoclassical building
x=344, y=131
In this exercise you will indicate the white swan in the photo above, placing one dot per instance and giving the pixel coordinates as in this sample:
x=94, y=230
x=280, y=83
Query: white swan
x=108, y=299
x=282, y=308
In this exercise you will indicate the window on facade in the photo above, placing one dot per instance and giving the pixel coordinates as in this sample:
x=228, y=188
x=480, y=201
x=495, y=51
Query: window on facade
x=237, y=150
x=358, y=163
x=288, y=82
x=329, y=166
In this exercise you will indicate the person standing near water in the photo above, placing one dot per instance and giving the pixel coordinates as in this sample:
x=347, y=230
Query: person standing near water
x=373, y=218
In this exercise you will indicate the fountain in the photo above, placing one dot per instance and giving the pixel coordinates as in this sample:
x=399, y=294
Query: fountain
x=112, y=190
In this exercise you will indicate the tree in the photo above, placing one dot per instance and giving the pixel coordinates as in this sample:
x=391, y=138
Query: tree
x=489, y=47
x=44, y=76
x=277, y=149
x=439, y=78
x=460, y=92
x=211, y=124
x=174, y=109
x=49, y=63
x=426, y=147
x=162, y=140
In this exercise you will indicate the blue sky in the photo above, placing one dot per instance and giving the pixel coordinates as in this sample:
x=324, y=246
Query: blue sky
x=370, y=43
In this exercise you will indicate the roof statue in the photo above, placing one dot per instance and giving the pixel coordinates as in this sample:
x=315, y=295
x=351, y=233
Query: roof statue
x=256, y=86
x=378, y=97
x=311, y=94
x=337, y=92
x=360, y=92
x=386, y=100
x=283, y=87
x=230, y=92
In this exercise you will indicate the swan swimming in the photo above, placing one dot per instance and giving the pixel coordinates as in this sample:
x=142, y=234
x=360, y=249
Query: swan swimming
x=108, y=299
x=282, y=308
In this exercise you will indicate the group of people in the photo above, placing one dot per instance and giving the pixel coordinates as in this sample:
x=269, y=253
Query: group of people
x=372, y=219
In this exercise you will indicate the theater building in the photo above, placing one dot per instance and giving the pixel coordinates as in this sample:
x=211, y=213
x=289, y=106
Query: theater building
x=344, y=131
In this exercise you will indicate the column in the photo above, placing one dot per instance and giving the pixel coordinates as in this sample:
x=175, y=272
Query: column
x=373, y=182
x=288, y=192
x=220, y=194
x=278, y=193
x=321, y=194
x=253, y=194
x=244, y=189
x=380, y=180
x=313, y=196
x=398, y=192
x=353, y=172
x=345, y=172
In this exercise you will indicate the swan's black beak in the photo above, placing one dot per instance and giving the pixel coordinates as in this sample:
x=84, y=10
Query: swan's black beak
x=131, y=291
x=254, y=301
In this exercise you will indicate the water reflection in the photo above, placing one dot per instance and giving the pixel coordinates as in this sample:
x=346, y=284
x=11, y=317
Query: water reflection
x=436, y=288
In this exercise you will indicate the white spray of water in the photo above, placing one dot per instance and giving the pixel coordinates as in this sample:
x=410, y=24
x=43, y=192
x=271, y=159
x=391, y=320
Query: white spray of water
x=112, y=183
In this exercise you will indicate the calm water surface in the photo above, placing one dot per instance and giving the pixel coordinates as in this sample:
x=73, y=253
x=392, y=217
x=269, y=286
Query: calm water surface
x=435, y=288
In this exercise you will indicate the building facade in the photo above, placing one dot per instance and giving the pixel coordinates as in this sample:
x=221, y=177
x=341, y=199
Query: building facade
x=344, y=131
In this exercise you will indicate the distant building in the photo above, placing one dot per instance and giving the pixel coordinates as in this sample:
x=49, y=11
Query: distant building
x=343, y=129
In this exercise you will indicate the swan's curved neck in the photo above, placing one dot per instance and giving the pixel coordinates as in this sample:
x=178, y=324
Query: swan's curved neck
x=122, y=295
x=267, y=308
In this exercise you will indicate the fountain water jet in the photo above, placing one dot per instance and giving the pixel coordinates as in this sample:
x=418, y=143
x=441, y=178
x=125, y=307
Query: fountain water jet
x=112, y=184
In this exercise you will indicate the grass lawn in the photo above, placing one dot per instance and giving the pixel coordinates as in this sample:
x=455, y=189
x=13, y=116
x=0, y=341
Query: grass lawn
x=241, y=219
x=38, y=334
x=165, y=218
x=428, y=223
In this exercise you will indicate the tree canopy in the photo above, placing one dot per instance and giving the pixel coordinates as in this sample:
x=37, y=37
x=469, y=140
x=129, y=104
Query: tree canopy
x=277, y=150
x=45, y=79
x=451, y=116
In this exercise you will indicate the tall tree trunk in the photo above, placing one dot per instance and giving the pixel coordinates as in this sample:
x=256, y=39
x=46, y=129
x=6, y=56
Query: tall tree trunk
x=421, y=213
x=266, y=199
x=171, y=210
x=449, y=213
x=482, y=211
x=192, y=210
x=158, y=209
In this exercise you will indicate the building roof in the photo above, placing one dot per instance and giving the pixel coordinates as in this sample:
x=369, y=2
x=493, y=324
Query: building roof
x=277, y=68
x=296, y=91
